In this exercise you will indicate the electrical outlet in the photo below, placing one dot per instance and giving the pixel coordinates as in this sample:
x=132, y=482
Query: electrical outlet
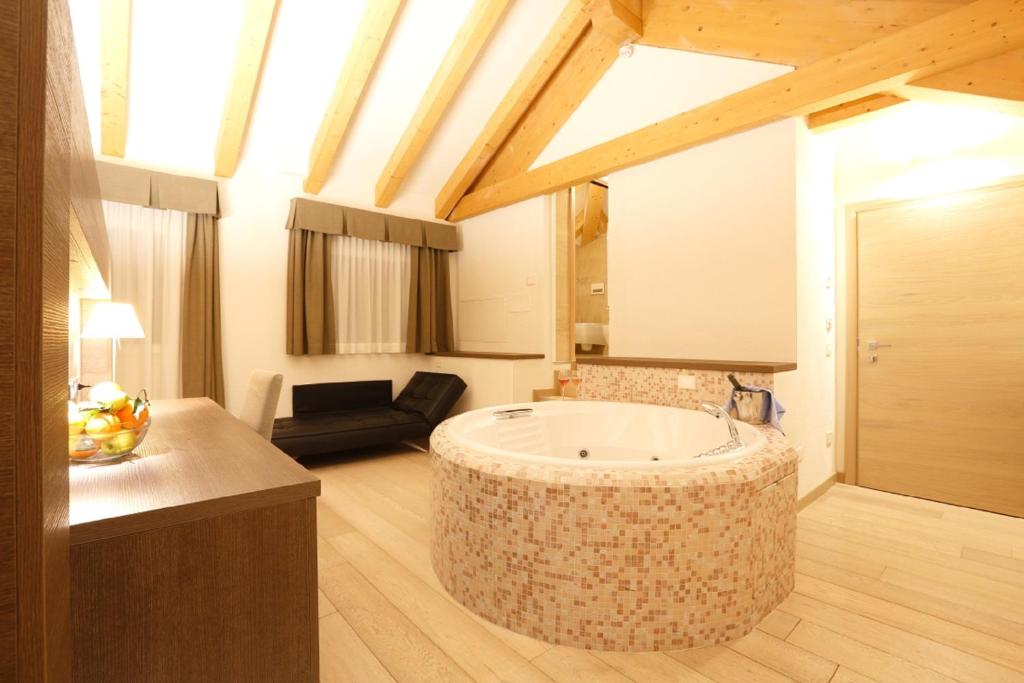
x=684, y=381
x=828, y=350
x=829, y=438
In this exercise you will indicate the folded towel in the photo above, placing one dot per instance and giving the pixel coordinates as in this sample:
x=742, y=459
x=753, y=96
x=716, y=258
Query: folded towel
x=772, y=411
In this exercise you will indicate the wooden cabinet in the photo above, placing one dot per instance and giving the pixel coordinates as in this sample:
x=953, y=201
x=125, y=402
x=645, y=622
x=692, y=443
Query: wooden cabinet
x=196, y=558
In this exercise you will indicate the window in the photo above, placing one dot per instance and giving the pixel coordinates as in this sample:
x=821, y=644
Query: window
x=371, y=294
x=147, y=249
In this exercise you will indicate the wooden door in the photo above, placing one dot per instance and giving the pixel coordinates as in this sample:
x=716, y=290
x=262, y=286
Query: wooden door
x=940, y=289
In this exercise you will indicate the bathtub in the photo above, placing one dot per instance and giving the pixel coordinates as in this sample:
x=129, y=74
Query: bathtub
x=601, y=525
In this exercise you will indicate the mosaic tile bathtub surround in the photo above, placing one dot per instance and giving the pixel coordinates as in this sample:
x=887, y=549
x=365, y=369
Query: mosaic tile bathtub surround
x=616, y=559
x=659, y=386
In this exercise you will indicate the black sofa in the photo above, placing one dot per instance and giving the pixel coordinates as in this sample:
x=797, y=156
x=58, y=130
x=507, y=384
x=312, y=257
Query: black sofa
x=339, y=416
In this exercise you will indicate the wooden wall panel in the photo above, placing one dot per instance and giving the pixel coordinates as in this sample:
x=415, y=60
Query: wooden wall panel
x=565, y=244
x=212, y=613
x=9, y=32
x=85, y=182
x=35, y=186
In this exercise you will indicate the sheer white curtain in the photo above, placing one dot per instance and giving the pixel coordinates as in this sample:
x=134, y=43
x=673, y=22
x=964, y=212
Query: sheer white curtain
x=147, y=248
x=371, y=294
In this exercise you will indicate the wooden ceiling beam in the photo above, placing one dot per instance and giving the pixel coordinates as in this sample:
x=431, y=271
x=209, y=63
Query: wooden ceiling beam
x=845, y=113
x=115, y=48
x=483, y=18
x=257, y=18
x=792, y=32
x=585, y=65
x=371, y=35
x=999, y=77
x=797, y=33
x=558, y=42
x=982, y=29
x=620, y=20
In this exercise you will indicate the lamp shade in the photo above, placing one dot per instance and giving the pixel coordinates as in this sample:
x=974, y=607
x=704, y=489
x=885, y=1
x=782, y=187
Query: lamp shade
x=112, y=320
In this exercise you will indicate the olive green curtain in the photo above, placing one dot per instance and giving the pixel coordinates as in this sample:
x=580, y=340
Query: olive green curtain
x=310, y=324
x=430, y=302
x=156, y=190
x=311, y=316
x=202, y=369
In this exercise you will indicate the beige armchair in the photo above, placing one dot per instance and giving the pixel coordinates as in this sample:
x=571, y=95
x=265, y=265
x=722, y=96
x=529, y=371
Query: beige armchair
x=261, y=401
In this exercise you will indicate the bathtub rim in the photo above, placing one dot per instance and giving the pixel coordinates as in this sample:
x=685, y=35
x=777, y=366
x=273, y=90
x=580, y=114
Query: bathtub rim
x=749, y=448
x=757, y=468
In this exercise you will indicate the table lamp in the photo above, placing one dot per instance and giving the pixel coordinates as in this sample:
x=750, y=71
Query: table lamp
x=115, y=321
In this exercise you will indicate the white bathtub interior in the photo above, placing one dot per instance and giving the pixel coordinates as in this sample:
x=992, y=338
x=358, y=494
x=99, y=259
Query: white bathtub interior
x=611, y=434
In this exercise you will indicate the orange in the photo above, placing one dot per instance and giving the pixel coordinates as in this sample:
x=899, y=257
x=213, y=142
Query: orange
x=102, y=424
x=127, y=418
x=143, y=416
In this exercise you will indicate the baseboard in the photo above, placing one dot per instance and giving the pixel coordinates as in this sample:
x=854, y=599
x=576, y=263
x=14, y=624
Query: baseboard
x=817, y=492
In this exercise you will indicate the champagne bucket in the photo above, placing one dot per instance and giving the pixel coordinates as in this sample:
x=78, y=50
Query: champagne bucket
x=749, y=406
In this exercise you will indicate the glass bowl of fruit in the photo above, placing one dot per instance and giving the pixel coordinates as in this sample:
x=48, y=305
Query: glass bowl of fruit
x=108, y=426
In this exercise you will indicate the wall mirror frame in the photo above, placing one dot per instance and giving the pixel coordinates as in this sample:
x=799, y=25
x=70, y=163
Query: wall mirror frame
x=581, y=271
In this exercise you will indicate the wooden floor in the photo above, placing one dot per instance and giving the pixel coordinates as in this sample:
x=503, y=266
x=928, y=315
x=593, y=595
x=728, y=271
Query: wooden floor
x=888, y=589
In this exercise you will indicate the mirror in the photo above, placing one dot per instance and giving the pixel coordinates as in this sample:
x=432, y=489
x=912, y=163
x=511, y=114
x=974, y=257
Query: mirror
x=590, y=250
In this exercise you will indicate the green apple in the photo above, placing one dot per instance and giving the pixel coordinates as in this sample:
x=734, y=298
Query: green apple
x=119, y=443
x=109, y=395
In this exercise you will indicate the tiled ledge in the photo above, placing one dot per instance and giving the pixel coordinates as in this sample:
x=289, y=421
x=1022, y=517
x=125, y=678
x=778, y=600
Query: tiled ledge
x=689, y=364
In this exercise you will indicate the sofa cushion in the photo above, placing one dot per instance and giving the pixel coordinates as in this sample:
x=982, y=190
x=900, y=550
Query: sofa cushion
x=332, y=432
x=431, y=394
x=347, y=421
x=330, y=397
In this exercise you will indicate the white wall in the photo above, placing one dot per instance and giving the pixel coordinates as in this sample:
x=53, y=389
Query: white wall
x=254, y=248
x=504, y=280
x=808, y=393
x=697, y=233
x=503, y=251
x=494, y=382
x=701, y=251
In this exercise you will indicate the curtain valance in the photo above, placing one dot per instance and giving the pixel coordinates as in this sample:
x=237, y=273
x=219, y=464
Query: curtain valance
x=332, y=219
x=156, y=190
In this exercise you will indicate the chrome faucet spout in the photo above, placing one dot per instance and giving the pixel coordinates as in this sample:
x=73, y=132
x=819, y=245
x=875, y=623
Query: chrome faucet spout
x=719, y=412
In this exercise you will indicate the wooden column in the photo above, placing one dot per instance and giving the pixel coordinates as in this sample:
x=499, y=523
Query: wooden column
x=37, y=68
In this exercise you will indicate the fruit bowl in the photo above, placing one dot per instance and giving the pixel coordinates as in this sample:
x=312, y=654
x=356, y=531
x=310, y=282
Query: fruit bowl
x=108, y=426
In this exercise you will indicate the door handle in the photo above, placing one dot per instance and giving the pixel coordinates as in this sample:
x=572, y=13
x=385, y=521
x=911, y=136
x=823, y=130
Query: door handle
x=873, y=347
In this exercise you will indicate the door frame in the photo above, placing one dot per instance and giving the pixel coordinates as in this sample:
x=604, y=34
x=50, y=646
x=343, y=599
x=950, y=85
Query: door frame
x=847, y=351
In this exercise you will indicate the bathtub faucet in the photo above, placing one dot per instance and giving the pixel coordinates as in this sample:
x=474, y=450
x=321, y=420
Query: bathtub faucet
x=720, y=412
x=512, y=413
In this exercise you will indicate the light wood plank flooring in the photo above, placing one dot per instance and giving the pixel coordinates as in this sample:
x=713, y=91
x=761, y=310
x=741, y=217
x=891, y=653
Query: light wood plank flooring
x=888, y=589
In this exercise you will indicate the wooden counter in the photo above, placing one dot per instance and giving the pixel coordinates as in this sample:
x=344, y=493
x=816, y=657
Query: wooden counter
x=690, y=364
x=195, y=558
x=487, y=355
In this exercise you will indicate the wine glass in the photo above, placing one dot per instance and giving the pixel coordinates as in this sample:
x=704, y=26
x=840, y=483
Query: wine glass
x=577, y=381
x=563, y=379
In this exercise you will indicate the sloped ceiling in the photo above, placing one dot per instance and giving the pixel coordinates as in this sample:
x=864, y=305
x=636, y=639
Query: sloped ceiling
x=652, y=85
x=181, y=60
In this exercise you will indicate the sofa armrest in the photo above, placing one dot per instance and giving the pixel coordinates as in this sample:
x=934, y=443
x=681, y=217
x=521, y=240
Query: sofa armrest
x=431, y=394
x=330, y=397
